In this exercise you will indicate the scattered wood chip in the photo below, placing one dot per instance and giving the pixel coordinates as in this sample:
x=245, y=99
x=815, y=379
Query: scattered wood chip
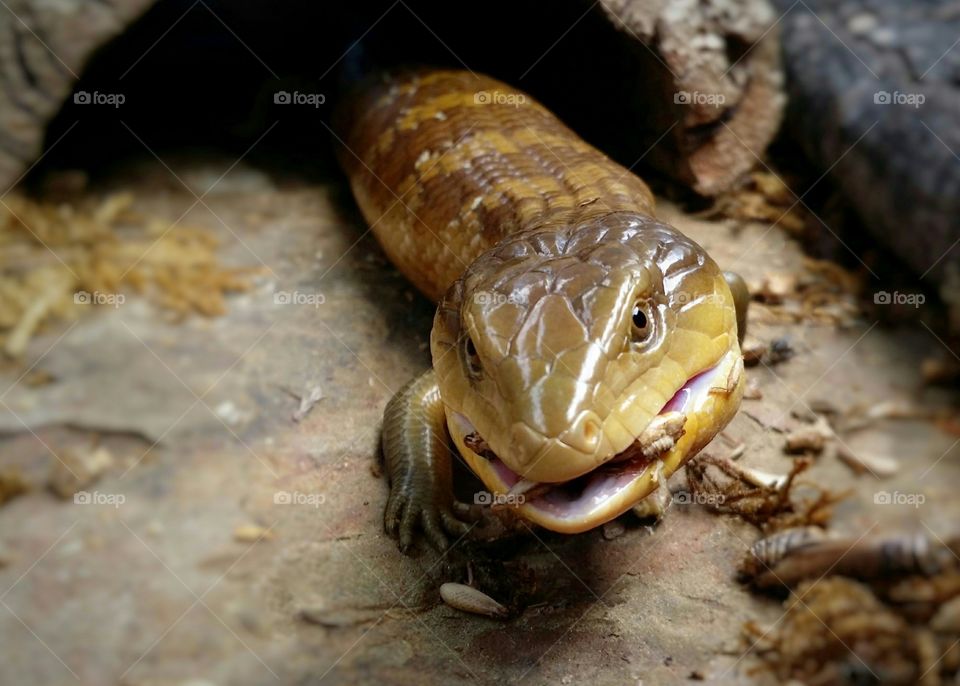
x=776, y=287
x=752, y=390
x=762, y=196
x=12, y=484
x=737, y=450
x=950, y=425
x=863, y=416
x=809, y=439
x=310, y=397
x=338, y=618
x=753, y=350
x=74, y=469
x=780, y=350
x=763, y=479
x=251, y=533
x=756, y=352
x=895, y=409
x=947, y=618
x=878, y=465
x=940, y=371
x=824, y=407
x=59, y=259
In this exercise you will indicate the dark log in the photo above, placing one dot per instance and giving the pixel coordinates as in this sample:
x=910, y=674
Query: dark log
x=689, y=88
x=874, y=89
x=723, y=76
x=43, y=49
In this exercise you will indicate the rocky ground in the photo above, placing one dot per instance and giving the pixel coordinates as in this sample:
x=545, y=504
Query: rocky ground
x=189, y=566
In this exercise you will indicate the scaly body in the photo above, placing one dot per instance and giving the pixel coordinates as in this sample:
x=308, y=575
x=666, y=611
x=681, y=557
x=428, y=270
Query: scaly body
x=570, y=322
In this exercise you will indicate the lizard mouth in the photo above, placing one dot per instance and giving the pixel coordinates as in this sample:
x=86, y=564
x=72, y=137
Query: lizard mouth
x=707, y=401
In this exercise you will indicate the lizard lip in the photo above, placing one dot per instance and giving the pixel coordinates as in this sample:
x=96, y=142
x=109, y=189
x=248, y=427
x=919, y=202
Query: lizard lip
x=619, y=483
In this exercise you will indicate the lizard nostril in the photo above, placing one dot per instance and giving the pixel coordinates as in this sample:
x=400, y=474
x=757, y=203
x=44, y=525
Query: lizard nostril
x=590, y=431
x=585, y=434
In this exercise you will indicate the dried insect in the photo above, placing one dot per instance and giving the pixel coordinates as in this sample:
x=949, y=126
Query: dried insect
x=793, y=556
x=947, y=619
x=811, y=643
x=662, y=433
x=469, y=599
x=766, y=554
x=657, y=503
x=765, y=500
x=476, y=443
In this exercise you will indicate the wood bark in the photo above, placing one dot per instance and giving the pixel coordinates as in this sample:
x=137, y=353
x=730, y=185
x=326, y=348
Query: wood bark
x=689, y=88
x=874, y=98
x=43, y=49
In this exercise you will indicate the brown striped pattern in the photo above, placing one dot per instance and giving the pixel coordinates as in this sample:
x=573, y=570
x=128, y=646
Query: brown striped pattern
x=445, y=164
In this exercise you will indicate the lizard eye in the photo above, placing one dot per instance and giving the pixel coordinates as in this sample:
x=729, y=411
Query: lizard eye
x=641, y=322
x=471, y=358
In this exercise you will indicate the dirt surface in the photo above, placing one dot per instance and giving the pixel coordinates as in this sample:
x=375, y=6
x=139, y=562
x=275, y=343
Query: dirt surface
x=189, y=566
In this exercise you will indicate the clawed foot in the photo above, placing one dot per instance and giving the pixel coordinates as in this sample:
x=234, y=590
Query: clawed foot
x=412, y=506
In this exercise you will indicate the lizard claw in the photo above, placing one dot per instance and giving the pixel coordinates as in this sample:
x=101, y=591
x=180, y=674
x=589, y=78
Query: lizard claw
x=406, y=512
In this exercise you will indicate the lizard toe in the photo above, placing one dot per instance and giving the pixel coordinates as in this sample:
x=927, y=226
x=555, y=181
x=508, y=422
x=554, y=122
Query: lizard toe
x=430, y=519
x=453, y=525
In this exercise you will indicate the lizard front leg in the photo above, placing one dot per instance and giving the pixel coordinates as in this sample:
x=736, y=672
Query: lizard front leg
x=417, y=454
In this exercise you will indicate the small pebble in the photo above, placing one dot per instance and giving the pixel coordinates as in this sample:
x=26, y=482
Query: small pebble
x=612, y=530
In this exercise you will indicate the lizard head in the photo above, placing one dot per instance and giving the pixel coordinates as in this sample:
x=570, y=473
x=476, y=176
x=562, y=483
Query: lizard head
x=560, y=350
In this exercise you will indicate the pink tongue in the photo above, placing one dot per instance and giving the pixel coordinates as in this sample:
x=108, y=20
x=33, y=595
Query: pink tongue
x=696, y=384
x=565, y=503
x=568, y=501
x=509, y=477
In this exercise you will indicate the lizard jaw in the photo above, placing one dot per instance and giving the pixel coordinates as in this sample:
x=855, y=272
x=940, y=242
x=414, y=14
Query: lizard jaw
x=708, y=401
